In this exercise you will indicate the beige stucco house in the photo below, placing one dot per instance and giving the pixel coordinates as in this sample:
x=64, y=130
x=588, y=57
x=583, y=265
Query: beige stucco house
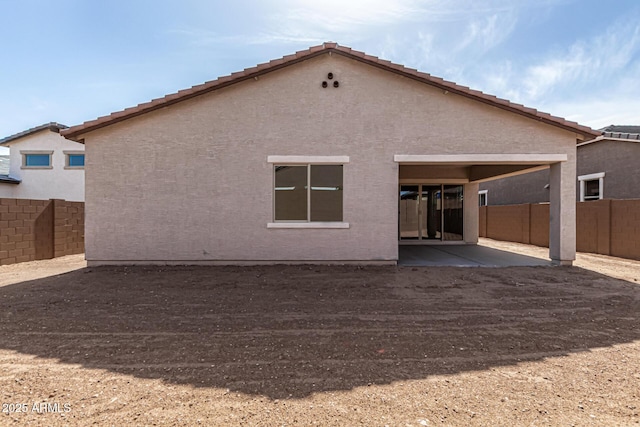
x=326, y=155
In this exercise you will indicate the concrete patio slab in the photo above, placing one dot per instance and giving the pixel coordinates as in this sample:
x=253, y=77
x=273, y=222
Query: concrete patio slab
x=464, y=256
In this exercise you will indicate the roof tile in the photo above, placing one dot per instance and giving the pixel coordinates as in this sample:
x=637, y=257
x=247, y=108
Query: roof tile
x=75, y=132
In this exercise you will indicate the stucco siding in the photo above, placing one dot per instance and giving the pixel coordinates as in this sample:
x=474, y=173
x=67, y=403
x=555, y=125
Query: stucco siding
x=619, y=161
x=531, y=187
x=192, y=181
x=54, y=183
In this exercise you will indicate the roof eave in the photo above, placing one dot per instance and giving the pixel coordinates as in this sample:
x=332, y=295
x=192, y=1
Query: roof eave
x=51, y=126
x=76, y=133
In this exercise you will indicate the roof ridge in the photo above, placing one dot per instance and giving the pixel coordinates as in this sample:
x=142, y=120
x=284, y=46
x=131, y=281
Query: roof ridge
x=75, y=132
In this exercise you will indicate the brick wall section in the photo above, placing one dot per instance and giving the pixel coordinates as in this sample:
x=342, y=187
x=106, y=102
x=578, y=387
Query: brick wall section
x=43, y=228
x=593, y=222
x=40, y=229
x=509, y=223
x=68, y=233
x=17, y=234
x=539, y=230
x=625, y=228
x=607, y=227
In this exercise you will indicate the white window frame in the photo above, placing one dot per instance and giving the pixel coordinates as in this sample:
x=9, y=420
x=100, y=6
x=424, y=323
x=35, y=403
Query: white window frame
x=486, y=196
x=66, y=159
x=591, y=177
x=24, y=154
x=305, y=161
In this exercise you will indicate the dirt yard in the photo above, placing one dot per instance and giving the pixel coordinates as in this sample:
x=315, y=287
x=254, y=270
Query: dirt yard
x=317, y=345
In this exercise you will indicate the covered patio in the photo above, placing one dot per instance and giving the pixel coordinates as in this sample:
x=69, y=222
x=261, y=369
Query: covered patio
x=457, y=223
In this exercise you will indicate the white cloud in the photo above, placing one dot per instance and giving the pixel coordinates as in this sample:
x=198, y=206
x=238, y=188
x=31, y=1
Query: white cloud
x=585, y=62
x=593, y=81
x=470, y=42
x=339, y=15
x=485, y=32
x=572, y=66
x=338, y=20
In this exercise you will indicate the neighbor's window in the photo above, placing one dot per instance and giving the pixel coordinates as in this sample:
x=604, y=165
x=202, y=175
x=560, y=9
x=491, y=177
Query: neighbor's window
x=38, y=159
x=482, y=197
x=74, y=160
x=591, y=186
x=310, y=193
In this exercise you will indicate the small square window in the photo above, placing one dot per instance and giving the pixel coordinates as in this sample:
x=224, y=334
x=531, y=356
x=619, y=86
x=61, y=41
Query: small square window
x=36, y=160
x=482, y=197
x=75, y=160
x=592, y=189
x=591, y=186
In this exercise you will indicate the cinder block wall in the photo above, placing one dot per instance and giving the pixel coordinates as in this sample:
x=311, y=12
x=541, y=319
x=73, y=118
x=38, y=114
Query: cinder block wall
x=68, y=236
x=539, y=230
x=625, y=228
x=40, y=229
x=509, y=223
x=593, y=222
x=607, y=227
x=17, y=240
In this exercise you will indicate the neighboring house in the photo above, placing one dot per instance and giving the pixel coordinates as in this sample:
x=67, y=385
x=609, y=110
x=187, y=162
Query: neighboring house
x=327, y=155
x=43, y=165
x=607, y=167
x=4, y=164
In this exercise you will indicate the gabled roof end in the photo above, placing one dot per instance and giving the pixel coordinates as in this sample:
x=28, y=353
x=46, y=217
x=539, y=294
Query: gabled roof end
x=75, y=133
x=52, y=126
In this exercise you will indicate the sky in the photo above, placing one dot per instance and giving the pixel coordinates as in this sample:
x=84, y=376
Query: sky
x=70, y=61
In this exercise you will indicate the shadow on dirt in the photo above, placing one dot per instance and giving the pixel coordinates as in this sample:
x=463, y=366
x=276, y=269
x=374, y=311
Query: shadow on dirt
x=292, y=331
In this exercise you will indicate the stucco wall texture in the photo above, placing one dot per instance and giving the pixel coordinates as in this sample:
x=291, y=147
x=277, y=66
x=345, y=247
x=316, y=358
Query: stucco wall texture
x=191, y=182
x=54, y=183
x=619, y=161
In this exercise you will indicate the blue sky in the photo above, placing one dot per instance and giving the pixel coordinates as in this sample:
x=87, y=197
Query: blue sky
x=74, y=60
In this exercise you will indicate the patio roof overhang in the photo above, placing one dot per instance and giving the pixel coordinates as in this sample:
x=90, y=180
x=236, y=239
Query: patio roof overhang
x=476, y=167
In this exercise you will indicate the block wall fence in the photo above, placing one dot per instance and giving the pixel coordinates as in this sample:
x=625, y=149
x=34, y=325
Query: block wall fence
x=40, y=229
x=607, y=227
x=43, y=229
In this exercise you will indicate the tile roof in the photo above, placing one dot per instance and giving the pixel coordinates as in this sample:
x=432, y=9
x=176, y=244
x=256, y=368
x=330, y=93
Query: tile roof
x=9, y=180
x=627, y=132
x=52, y=126
x=622, y=129
x=616, y=133
x=75, y=133
x=621, y=135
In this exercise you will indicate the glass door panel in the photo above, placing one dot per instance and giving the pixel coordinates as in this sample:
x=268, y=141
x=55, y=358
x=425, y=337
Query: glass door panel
x=409, y=211
x=453, y=218
x=431, y=217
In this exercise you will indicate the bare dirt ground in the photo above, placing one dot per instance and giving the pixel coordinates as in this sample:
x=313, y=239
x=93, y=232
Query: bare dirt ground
x=318, y=345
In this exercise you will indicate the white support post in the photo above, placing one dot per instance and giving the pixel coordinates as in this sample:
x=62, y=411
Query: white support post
x=562, y=212
x=471, y=213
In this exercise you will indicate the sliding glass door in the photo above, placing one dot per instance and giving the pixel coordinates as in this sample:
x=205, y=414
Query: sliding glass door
x=430, y=212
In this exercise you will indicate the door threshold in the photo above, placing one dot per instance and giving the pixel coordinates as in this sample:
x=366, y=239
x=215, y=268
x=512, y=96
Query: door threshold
x=432, y=242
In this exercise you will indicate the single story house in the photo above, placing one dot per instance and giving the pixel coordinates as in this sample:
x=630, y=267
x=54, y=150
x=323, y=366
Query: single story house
x=43, y=165
x=327, y=155
x=607, y=167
